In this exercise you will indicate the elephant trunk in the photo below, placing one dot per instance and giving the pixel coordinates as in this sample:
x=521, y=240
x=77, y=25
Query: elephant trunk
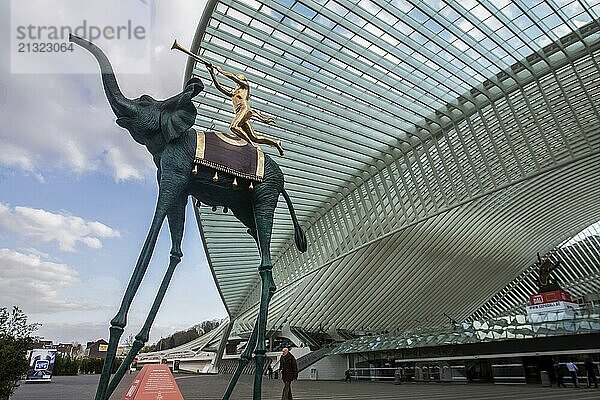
x=121, y=105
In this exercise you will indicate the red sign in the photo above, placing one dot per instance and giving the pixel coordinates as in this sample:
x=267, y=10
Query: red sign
x=549, y=297
x=153, y=382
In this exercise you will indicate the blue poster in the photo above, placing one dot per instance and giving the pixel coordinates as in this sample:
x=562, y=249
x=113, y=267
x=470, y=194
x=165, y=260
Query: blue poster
x=41, y=362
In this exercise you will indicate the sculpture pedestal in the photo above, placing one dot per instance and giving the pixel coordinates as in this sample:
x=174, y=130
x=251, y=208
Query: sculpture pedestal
x=153, y=382
x=549, y=312
x=549, y=297
x=551, y=306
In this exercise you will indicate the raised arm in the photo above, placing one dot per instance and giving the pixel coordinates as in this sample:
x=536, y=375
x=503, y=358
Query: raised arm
x=221, y=88
x=233, y=77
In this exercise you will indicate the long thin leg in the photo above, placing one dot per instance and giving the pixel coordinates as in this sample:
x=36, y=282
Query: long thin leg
x=261, y=213
x=176, y=219
x=264, y=225
x=120, y=320
x=246, y=355
x=245, y=358
x=268, y=289
x=166, y=198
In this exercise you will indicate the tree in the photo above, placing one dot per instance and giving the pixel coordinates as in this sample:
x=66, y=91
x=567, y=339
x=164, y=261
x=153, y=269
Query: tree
x=65, y=365
x=128, y=344
x=15, y=339
x=207, y=326
x=182, y=337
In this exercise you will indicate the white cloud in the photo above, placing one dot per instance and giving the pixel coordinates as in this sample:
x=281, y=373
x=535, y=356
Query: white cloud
x=122, y=166
x=45, y=226
x=64, y=122
x=35, y=284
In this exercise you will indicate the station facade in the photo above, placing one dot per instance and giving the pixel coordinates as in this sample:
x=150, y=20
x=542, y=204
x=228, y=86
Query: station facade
x=432, y=150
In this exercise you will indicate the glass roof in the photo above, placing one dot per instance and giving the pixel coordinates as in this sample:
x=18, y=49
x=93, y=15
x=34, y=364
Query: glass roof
x=415, y=132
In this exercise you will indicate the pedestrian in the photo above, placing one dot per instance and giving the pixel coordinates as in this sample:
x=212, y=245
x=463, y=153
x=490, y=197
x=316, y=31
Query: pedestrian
x=590, y=370
x=573, y=371
x=289, y=372
x=270, y=371
x=347, y=377
x=558, y=374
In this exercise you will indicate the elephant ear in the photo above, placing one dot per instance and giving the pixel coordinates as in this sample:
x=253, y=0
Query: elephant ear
x=178, y=112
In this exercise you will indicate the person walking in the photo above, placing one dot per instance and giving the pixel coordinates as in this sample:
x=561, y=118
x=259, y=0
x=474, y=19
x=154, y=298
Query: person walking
x=270, y=371
x=573, y=371
x=558, y=374
x=289, y=372
x=590, y=370
x=347, y=377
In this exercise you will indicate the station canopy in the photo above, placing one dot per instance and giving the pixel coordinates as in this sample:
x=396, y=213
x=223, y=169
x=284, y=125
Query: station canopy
x=432, y=149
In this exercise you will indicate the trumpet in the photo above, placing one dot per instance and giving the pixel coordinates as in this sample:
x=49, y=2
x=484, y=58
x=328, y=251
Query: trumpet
x=179, y=47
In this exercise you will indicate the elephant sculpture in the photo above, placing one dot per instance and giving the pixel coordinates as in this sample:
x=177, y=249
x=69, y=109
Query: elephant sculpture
x=165, y=128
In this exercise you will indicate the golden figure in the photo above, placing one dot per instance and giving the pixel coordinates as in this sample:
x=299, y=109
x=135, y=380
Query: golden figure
x=239, y=96
x=240, y=125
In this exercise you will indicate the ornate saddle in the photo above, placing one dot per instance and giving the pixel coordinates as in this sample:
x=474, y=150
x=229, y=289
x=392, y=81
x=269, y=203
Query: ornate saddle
x=229, y=154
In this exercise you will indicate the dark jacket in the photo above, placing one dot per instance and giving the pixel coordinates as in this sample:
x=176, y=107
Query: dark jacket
x=590, y=368
x=288, y=367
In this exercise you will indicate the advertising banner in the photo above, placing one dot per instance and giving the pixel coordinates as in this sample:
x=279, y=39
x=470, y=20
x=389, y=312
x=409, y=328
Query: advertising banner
x=549, y=312
x=556, y=306
x=549, y=297
x=41, y=363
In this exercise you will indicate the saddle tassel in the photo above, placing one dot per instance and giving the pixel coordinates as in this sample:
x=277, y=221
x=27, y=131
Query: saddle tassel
x=216, y=177
x=251, y=186
x=195, y=169
x=235, y=184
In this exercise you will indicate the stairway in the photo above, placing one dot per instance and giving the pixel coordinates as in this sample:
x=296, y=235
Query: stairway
x=229, y=366
x=312, y=357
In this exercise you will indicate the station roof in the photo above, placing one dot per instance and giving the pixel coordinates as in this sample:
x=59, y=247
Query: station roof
x=432, y=149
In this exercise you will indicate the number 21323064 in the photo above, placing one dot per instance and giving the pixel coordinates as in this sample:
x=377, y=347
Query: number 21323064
x=43, y=47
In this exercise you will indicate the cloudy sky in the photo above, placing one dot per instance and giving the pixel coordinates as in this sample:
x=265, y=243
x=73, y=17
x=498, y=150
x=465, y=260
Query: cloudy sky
x=77, y=194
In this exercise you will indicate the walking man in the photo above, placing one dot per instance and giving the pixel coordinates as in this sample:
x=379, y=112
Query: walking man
x=558, y=374
x=573, y=371
x=590, y=370
x=289, y=372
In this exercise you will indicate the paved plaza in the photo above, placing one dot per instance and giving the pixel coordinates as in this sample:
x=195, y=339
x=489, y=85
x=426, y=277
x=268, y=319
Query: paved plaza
x=196, y=387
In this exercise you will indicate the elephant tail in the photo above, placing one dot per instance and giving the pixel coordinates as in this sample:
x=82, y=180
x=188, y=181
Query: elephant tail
x=299, y=236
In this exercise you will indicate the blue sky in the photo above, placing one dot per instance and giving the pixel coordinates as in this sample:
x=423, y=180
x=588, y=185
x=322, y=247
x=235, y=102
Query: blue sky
x=77, y=195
